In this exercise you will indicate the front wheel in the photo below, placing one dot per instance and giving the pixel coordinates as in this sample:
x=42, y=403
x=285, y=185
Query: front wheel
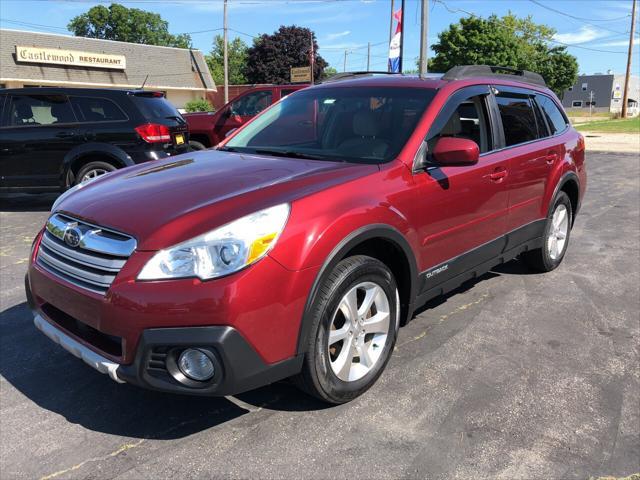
x=556, y=237
x=354, y=325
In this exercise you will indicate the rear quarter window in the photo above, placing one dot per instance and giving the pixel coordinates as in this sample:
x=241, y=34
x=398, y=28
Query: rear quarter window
x=555, y=118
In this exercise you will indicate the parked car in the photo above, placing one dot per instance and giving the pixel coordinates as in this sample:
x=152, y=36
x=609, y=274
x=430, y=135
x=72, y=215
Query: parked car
x=54, y=138
x=302, y=244
x=207, y=129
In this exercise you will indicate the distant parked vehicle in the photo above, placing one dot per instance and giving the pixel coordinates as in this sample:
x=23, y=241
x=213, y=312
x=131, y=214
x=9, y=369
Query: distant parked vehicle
x=207, y=129
x=54, y=138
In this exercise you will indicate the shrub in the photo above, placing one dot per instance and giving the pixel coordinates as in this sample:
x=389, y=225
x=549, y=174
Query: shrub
x=200, y=105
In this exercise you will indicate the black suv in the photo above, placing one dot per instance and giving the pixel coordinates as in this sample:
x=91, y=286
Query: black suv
x=54, y=138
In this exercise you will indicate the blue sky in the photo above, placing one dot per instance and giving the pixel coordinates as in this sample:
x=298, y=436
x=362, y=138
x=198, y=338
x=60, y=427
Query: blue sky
x=600, y=33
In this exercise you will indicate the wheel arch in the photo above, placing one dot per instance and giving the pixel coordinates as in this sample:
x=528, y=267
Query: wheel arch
x=87, y=152
x=570, y=184
x=380, y=241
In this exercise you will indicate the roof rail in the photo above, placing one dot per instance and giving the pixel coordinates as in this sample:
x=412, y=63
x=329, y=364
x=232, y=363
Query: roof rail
x=467, y=71
x=345, y=75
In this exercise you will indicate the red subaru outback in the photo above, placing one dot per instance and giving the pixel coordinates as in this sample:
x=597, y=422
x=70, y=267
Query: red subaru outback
x=300, y=246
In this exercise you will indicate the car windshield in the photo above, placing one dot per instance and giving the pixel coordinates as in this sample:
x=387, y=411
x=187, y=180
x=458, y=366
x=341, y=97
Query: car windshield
x=365, y=125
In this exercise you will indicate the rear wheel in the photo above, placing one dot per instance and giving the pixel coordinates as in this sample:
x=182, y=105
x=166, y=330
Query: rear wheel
x=196, y=145
x=556, y=237
x=93, y=170
x=355, y=322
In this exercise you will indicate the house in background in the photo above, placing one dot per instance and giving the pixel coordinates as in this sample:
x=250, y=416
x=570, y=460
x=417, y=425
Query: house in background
x=29, y=59
x=603, y=93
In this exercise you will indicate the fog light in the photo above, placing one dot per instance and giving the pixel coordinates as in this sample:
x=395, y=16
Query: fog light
x=196, y=365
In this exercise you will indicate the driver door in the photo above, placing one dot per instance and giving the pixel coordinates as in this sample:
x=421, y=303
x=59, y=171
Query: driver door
x=462, y=209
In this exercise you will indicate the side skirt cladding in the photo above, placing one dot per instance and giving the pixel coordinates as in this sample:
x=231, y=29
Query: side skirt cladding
x=451, y=274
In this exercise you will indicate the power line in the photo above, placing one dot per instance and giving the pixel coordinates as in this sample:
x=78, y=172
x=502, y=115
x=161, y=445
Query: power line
x=579, y=18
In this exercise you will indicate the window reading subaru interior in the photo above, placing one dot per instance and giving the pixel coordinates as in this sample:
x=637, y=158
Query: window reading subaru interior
x=369, y=125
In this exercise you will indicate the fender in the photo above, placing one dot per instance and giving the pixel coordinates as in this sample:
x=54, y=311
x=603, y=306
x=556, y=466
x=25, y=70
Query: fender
x=356, y=237
x=114, y=153
x=566, y=177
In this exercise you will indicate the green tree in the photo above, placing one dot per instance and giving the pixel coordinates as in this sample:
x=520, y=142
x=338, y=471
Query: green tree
x=118, y=22
x=328, y=73
x=200, y=105
x=237, y=53
x=271, y=57
x=506, y=41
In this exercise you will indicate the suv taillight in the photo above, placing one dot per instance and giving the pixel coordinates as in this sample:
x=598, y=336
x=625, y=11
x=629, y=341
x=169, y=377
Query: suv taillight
x=154, y=133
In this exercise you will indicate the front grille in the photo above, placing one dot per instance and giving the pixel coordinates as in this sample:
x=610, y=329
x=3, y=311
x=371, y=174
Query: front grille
x=83, y=254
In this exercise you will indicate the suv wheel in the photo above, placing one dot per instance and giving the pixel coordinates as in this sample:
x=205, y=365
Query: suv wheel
x=355, y=322
x=556, y=237
x=92, y=170
x=195, y=145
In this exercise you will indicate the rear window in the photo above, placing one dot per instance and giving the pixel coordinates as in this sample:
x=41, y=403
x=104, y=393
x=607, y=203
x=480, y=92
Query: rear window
x=97, y=110
x=518, y=118
x=155, y=107
x=555, y=118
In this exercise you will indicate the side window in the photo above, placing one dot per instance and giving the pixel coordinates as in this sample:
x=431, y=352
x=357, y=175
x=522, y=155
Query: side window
x=518, y=118
x=252, y=103
x=555, y=118
x=40, y=110
x=469, y=120
x=3, y=111
x=91, y=109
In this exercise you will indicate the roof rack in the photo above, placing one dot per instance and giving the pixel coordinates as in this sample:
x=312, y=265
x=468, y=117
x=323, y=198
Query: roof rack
x=345, y=75
x=467, y=71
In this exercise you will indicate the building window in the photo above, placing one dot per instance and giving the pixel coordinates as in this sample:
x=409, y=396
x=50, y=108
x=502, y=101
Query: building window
x=571, y=88
x=577, y=103
x=584, y=87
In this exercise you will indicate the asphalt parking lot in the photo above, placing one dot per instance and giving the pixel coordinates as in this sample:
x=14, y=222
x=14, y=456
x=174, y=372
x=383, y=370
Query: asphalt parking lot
x=518, y=375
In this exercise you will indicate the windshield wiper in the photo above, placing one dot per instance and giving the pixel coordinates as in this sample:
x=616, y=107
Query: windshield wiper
x=177, y=118
x=289, y=154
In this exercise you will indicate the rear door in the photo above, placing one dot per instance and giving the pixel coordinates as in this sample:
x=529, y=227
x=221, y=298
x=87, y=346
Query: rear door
x=38, y=132
x=463, y=208
x=531, y=154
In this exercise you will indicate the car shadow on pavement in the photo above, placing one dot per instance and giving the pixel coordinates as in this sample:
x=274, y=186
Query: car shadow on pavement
x=57, y=381
x=27, y=202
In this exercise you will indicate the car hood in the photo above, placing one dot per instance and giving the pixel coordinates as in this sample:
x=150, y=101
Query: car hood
x=166, y=202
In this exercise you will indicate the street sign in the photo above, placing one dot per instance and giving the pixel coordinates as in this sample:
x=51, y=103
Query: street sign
x=300, y=74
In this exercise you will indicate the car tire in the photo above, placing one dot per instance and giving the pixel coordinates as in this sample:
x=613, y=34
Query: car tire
x=93, y=170
x=342, y=365
x=194, y=145
x=557, y=231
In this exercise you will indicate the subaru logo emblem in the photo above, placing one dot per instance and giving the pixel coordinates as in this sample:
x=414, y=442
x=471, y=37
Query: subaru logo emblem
x=72, y=236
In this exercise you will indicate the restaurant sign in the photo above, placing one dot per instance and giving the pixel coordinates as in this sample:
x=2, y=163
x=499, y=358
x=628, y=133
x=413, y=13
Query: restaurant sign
x=76, y=58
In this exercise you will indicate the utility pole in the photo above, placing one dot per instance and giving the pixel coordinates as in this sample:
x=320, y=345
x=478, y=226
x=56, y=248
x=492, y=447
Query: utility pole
x=424, y=35
x=390, y=31
x=225, y=56
x=368, y=56
x=625, y=97
x=344, y=66
x=590, y=102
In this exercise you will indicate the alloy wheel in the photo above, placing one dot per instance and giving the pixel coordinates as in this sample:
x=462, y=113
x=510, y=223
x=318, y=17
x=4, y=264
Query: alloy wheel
x=558, y=232
x=358, y=331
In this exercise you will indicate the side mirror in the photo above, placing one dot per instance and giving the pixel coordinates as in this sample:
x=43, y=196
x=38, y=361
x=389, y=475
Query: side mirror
x=456, y=151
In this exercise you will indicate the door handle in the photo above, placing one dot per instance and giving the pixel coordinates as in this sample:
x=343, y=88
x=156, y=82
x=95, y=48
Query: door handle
x=497, y=175
x=551, y=158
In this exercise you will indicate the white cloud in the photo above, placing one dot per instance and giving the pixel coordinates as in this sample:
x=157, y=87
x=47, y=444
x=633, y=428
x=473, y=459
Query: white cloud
x=333, y=36
x=584, y=35
x=620, y=43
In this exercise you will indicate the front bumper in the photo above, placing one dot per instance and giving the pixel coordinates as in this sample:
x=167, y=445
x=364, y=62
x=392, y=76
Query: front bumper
x=238, y=367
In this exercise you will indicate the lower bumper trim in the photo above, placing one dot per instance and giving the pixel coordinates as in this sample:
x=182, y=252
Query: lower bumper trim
x=88, y=356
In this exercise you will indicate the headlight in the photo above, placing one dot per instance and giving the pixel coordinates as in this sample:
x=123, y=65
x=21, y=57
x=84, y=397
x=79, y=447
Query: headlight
x=222, y=251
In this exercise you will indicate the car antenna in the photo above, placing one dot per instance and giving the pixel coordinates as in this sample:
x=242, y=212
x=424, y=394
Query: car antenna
x=145, y=81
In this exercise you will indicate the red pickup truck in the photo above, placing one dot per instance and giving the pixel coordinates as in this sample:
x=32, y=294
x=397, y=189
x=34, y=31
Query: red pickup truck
x=207, y=129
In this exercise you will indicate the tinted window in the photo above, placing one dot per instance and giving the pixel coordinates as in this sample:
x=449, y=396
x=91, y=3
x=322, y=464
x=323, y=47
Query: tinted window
x=252, y=103
x=518, y=118
x=469, y=120
x=286, y=91
x=369, y=125
x=97, y=110
x=40, y=110
x=556, y=120
x=155, y=107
